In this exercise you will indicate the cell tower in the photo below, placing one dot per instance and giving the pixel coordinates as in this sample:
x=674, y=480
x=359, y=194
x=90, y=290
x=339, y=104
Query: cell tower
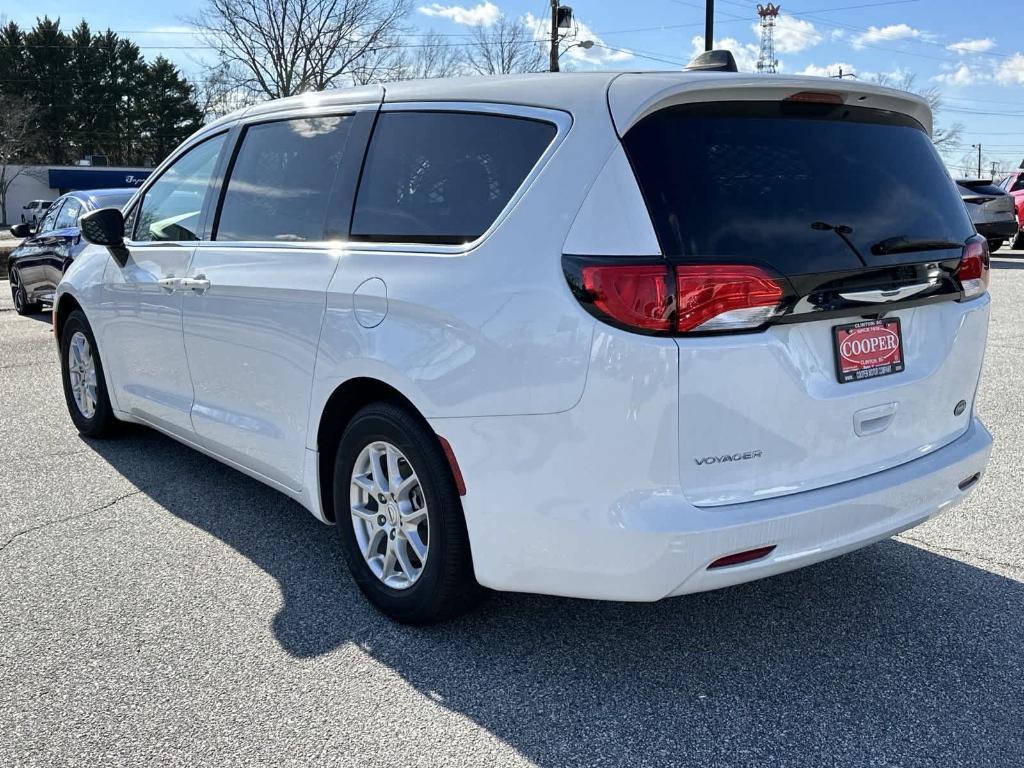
x=767, y=64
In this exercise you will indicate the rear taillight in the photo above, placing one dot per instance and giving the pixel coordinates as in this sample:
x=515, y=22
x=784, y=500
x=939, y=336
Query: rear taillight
x=974, y=268
x=724, y=297
x=637, y=296
x=666, y=298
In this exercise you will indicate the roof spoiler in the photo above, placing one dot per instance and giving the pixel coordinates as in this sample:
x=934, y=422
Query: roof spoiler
x=719, y=60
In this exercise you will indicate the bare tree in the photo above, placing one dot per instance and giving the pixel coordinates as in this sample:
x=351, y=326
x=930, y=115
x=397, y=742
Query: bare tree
x=947, y=139
x=17, y=149
x=505, y=47
x=431, y=56
x=275, y=48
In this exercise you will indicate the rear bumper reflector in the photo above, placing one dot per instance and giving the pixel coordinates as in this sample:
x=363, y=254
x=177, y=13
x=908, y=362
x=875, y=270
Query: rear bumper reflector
x=742, y=557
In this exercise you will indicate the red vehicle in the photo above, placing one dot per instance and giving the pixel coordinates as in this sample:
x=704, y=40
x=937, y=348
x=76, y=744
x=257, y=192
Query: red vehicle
x=1014, y=185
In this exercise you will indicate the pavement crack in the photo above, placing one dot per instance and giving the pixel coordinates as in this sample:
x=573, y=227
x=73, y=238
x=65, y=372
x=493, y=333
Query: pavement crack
x=965, y=552
x=60, y=521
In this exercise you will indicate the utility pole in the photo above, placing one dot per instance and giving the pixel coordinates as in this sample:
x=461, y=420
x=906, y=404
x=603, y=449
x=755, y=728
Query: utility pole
x=709, y=24
x=553, y=60
x=978, y=147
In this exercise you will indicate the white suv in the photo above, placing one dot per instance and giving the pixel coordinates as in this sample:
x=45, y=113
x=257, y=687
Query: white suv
x=613, y=336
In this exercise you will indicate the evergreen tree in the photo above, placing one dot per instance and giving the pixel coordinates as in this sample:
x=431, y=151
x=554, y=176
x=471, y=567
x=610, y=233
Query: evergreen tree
x=49, y=87
x=94, y=94
x=169, y=113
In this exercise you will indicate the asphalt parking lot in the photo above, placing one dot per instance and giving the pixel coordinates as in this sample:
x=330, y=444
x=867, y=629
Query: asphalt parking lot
x=157, y=607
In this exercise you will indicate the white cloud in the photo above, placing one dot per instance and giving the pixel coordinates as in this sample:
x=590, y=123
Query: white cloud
x=745, y=53
x=792, y=35
x=480, y=15
x=961, y=75
x=973, y=46
x=598, y=55
x=1011, y=70
x=888, y=34
x=830, y=71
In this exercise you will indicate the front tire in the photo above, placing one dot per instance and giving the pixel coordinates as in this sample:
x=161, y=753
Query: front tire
x=85, y=389
x=400, y=519
x=20, y=297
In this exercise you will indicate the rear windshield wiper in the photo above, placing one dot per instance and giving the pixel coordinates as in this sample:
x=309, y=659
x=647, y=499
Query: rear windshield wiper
x=904, y=244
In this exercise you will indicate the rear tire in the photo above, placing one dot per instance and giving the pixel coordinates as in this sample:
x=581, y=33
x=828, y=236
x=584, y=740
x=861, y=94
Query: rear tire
x=85, y=388
x=20, y=297
x=995, y=245
x=386, y=521
x=1018, y=241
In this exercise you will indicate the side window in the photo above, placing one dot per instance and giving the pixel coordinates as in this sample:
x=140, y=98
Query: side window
x=69, y=213
x=443, y=177
x=50, y=219
x=172, y=206
x=280, y=183
x=1018, y=185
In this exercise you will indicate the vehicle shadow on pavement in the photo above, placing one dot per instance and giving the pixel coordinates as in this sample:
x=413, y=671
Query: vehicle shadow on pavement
x=892, y=655
x=1004, y=263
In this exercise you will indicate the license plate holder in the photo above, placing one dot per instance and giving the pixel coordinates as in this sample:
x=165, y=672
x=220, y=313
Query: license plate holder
x=868, y=349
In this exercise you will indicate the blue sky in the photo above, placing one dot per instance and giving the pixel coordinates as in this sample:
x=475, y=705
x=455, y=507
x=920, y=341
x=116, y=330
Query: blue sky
x=972, y=51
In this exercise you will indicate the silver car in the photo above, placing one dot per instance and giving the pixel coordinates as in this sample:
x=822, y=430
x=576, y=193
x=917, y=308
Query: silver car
x=991, y=210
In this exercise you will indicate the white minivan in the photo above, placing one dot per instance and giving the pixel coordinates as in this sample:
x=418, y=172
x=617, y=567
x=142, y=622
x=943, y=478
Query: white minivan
x=612, y=336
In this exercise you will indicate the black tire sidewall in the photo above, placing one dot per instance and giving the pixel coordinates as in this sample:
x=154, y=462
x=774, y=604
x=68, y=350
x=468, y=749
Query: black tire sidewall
x=103, y=419
x=423, y=602
x=18, y=292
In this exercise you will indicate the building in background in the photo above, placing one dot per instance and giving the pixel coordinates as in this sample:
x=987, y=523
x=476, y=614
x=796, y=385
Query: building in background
x=47, y=182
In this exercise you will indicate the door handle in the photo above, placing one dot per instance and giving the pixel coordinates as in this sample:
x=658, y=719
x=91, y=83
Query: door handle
x=197, y=284
x=169, y=283
x=871, y=421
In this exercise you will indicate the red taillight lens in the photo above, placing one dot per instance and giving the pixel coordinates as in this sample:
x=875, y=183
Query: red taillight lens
x=667, y=298
x=637, y=296
x=720, y=297
x=974, y=268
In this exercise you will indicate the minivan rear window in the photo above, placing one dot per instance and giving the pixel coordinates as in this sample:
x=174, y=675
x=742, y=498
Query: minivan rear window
x=443, y=177
x=801, y=187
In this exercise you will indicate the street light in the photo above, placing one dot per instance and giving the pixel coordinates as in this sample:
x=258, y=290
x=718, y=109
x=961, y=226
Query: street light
x=584, y=44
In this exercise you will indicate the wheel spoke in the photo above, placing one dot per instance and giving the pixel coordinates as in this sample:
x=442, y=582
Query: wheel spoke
x=371, y=543
x=388, y=566
x=365, y=484
x=413, y=537
x=365, y=514
x=376, y=471
x=403, y=560
x=394, y=474
x=414, y=516
x=405, y=486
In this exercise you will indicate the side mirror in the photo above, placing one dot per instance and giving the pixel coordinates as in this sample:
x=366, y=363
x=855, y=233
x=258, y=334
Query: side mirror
x=21, y=230
x=105, y=226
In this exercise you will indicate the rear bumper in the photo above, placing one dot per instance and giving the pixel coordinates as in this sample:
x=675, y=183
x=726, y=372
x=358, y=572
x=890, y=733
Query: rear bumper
x=650, y=544
x=997, y=229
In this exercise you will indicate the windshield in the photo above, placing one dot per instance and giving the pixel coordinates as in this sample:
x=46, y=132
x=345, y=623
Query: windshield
x=801, y=187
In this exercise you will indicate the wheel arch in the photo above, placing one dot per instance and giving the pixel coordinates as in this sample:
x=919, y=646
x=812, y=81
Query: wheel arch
x=65, y=305
x=345, y=401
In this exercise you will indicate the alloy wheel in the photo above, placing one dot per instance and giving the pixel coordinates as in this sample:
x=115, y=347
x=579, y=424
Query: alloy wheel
x=389, y=515
x=82, y=374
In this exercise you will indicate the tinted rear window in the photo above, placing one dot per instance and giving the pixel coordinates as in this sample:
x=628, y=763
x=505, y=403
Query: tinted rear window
x=746, y=181
x=443, y=177
x=280, y=183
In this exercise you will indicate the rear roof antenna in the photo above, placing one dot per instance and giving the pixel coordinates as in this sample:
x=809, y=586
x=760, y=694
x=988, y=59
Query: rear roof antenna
x=719, y=60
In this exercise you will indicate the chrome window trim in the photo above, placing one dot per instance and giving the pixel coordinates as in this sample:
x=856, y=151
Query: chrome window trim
x=562, y=122
x=300, y=113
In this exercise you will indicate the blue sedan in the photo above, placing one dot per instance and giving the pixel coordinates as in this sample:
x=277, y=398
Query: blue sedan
x=37, y=265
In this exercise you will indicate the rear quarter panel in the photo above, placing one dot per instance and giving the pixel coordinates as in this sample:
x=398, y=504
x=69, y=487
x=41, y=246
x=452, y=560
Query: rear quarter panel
x=492, y=330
